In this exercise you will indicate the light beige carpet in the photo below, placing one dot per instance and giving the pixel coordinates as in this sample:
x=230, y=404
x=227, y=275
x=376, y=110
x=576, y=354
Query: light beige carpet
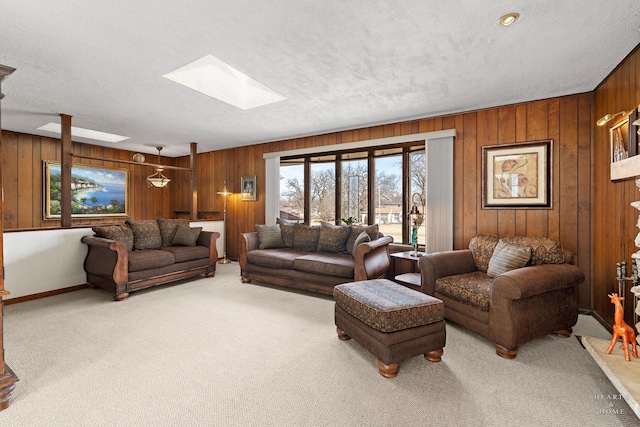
x=216, y=352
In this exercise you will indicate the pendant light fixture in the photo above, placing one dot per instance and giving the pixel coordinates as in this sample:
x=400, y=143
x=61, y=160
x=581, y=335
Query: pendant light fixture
x=158, y=179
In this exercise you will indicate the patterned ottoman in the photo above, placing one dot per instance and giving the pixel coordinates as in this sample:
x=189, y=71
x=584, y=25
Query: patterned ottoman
x=393, y=322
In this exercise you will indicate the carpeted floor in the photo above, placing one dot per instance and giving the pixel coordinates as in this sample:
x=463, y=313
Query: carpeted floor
x=221, y=353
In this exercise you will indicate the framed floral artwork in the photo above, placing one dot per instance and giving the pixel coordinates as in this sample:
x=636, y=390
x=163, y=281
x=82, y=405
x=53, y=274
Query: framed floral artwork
x=517, y=175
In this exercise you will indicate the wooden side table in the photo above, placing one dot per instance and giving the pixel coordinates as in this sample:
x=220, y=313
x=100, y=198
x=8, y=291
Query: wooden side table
x=404, y=269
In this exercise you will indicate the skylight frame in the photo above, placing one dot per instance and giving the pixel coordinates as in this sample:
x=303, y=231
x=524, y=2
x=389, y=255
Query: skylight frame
x=217, y=79
x=84, y=133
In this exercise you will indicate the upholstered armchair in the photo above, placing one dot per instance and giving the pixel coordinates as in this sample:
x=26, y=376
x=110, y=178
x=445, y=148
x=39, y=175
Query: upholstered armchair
x=511, y=293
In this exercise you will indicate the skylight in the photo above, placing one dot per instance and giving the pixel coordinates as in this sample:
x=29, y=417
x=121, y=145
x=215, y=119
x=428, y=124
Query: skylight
x=213, y=77
x=84, y=133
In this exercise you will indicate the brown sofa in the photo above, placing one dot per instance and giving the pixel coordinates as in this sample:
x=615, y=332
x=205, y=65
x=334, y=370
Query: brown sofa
x=515, y=306
x=324, y=256
x=123, y=258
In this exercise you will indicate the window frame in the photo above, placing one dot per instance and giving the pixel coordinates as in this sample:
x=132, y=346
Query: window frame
x=405, y=150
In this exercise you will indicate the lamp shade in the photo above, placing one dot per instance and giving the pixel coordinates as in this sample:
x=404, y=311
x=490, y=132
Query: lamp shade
x=158, y=179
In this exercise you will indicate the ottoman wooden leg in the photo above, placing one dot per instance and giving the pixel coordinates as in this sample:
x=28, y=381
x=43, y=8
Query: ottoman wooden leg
x=341, y=335
x=388, y=371
x=434, y=356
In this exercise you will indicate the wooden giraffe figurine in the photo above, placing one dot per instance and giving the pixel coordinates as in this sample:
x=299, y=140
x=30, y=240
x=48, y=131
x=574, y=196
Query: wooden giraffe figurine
x=622, y=330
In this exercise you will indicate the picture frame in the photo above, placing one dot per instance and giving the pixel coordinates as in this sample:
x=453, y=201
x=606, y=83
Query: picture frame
x=517, y=176
x=96, y=191
x=248, y=188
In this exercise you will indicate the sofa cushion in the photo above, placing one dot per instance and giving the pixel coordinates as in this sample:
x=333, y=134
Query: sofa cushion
x=287, y=228
x=387, y=306
x=186, y=236
x=481, y=248
x=275, y=258
x=362, y=238
x=472, y=289
x=269, y=236
x=188, y=253
x=371, y=230
x=508, y=257
x=148, y=259
x=333, y=238
x=168, y=228
x=118, y=232
x=146, y=234
x=326, y=264
x=305, y=237
x=543, y=250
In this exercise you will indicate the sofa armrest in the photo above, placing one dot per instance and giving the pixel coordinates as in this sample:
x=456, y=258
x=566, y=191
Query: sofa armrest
x=538, y=279
x=248, y=242
x=371, y=260
x=208, y=240
x=436, y=265
x=107, y=258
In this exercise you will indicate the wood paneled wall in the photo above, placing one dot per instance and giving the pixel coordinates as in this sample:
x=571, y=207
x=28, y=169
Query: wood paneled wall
x=613, y=219
x=567, y=120
x=22, y=171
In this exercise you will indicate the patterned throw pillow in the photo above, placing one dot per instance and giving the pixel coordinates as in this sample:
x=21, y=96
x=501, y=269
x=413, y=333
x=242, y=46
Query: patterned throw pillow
x=333, y=238
x=306, y=238
x=482, y=248
x=269, y=236
x=118, y=232
x=543, y=250
x=146, y=234
x=168, y=228
x=371, y=230
x=186, y=236
x=507, y=257
x=288, y=229
x=362, y=238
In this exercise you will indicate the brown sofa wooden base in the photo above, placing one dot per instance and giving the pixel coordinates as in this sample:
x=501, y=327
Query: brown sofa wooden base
x=371, y=261
x=106, y=265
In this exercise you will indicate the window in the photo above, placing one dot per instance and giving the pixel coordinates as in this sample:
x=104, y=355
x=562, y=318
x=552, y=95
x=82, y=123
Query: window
x=365, y=186
x=323, y=192
x=437, y=147
x=292, y=191
x=388, y=195
x=354, y=190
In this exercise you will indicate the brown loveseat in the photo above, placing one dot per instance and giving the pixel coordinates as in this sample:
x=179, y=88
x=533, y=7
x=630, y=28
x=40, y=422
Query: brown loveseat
x=315, y=258
x=514, y=306
x=138, y=254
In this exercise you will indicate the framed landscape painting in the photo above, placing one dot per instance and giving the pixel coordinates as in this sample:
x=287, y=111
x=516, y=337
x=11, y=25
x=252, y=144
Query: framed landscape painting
x=96, y=191
x=517, y=175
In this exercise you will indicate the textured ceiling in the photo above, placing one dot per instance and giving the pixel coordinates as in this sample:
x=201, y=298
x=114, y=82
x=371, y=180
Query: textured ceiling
x=341, y=64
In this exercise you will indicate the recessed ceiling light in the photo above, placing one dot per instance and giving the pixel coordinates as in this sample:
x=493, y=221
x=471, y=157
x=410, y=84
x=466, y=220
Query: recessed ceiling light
x=508, y=19
x=215, y=78
x=84, y=133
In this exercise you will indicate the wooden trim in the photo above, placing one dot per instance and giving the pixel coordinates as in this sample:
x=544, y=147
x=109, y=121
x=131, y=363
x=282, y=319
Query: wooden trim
x=193, y=163
x=44, y=294
x=366, y=144
x=307, y=190
x=129, y=162
x=65, y=169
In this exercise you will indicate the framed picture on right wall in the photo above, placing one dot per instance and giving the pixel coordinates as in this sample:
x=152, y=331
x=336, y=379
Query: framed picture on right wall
x=517, y=176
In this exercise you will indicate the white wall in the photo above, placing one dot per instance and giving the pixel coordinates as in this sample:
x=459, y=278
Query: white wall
x=46, y=260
